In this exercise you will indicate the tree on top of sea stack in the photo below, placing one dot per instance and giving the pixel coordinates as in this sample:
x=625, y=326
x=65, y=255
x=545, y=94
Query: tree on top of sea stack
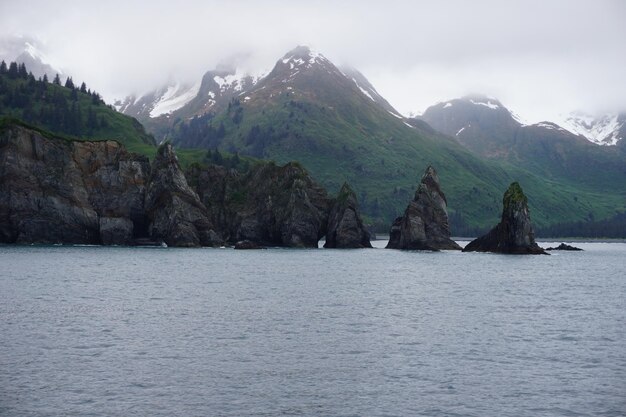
x=514, y=234
x=424, y=225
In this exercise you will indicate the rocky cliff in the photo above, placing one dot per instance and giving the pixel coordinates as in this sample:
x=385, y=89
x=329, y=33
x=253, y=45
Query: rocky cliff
x=424, y=225
x=59, y=191
x=269, y=205
x=514, y=234
x=175, y=212
x=345, y=227
x=54, y=190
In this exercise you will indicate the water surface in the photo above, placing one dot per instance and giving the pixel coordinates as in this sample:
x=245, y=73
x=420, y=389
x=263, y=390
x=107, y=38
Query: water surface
x=105, y=331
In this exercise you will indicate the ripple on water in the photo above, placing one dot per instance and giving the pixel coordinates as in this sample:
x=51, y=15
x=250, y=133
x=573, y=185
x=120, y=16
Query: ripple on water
x=310, y=332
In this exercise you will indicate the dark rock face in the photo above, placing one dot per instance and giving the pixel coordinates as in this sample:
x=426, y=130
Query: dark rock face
x=58, y=191
x=424, y=225
x=514, y=234
x=564, y=246
x=270, y=205
x=345, y=227
x=175, y=212
x=54, y=190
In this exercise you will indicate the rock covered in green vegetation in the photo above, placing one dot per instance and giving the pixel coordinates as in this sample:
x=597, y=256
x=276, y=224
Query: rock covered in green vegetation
x=175, y=212
x=424, y=225
x=345, y=227
x=270, y=205
x=514, y=234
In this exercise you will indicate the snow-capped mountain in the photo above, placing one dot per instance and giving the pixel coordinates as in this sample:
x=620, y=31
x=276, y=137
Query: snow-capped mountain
x=159, y=102
x=29, y=51
x=213, y=92
x=298, y=70
x=484, y=125
x=304, y=71
x=605, y=130
x=303, y=90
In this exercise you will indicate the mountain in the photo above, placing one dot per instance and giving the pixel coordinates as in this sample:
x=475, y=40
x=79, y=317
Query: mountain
x=309, y=110
x=177, y=99
x=70, y=111
x=159, y=102
x=606, y=130
x=367, y=88
x=487, y=128
x=26, y=50
x=163, y=108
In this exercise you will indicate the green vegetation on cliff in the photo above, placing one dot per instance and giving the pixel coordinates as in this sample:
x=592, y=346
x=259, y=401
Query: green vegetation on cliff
x=69, y=110
x=514, y=194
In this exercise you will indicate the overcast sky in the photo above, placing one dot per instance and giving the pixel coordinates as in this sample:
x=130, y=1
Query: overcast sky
x=540, y=58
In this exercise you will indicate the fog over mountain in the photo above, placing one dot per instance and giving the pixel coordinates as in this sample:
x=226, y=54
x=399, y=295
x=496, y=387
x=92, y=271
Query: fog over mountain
x=541, y=58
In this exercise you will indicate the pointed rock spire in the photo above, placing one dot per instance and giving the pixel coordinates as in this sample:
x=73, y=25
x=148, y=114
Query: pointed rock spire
x=514, y=234
x=345, y=227
x=424, y=225
x=176, y=214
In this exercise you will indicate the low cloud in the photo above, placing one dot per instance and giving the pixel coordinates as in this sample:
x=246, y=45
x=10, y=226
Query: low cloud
x=540, y=58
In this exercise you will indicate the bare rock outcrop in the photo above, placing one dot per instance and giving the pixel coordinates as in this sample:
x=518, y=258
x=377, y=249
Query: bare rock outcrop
x=270, y=205
x=174, y=210
x=514, y=234
x=54, y=190
x=345, y=227
x=424, y=225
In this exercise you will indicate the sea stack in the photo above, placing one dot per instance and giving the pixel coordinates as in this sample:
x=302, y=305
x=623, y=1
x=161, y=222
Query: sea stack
x=345, y=227
x=514, y=234
x=176, y=214
x=424, y=225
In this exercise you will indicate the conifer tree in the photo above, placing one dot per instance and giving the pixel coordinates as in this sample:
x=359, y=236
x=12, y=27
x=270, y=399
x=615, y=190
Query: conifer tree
x=57, y=80
x=83, y=88
x=45, y=78
x=69, y=83
x=3, y=67
x=13, y=71
x=22, y=71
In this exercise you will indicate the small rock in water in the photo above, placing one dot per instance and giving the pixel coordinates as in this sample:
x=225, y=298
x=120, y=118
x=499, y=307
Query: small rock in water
x=564, y=246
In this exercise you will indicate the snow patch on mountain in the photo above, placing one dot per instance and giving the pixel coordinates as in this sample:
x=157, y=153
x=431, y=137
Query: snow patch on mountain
x=550, y=126
x=175, y=97
x=518, y=119
x=602, y=130
x=363, y=90
x=488, y=103
x=303, y=57
x=38, y=55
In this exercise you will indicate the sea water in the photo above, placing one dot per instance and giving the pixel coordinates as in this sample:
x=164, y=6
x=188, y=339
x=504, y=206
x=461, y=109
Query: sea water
x=107, y=331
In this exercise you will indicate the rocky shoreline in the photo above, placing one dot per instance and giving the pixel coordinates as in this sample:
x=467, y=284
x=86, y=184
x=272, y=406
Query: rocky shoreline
x=59, y=191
